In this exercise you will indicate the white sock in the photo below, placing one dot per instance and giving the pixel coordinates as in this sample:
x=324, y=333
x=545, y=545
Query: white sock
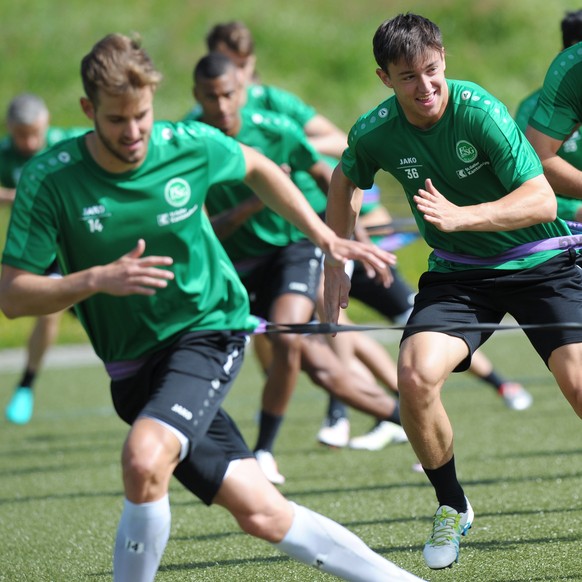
x=142, y=536
x=318, y=541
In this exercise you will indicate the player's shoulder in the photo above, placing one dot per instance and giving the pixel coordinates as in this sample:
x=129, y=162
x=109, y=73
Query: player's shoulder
x=474, y=102
x=262, y=91
x=58, y=134
x=187, y=131
x=566, y=62
x=471, y=94
x=62, y=156
x=271, y=121
x=374, y=120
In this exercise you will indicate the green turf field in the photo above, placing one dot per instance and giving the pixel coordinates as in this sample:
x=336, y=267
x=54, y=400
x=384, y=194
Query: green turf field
x=61, y=495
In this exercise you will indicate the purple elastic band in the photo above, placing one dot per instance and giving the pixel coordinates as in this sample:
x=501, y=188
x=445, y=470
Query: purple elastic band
x=549, y=244
x=123, y=369
x=261, y=327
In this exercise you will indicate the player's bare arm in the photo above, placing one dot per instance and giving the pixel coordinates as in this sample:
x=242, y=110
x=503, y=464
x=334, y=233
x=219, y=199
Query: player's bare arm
x=325, y=137
x=7, y=195
x=321, y=173
x=531, y=203
x=279, y=193
x=562, y=176
x=23, y=293
x=344, y=202
x=228, y=221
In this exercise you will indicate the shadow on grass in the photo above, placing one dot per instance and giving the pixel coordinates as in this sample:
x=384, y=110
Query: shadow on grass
x=62, y=497
x=500, y=546
x=61, y=449
x=422, y=484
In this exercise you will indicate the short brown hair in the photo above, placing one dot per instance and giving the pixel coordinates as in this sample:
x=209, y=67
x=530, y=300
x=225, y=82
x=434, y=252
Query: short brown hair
x=406, y=37
x=117, y=64
x=235, y=35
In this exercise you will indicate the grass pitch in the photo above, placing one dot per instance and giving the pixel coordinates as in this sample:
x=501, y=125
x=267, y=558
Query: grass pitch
x=61, y=494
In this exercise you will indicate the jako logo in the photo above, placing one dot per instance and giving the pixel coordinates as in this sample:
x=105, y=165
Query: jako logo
x=466, y=151
x=177, y=192
x=178, y=409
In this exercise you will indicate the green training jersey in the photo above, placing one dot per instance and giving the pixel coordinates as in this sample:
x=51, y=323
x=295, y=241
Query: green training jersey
x=559, y=109
x=475, y=153
x=570, y=150
x=283, y=141
x=12, y=161
x=269, y=98
x=92, y=217
x=305, y=182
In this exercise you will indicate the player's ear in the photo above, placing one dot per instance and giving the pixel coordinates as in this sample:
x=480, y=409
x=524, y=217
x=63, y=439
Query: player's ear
x=384, y=77
x=87, y=107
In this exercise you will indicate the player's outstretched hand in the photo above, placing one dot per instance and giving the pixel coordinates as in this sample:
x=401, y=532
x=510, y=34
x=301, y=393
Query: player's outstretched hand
x=336, y=289
x=134, y=274
x=375, y=260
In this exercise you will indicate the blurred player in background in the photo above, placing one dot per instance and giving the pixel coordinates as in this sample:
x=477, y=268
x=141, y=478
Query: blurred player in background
x=29, y=133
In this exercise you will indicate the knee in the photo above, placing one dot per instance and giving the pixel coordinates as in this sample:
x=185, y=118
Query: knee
x=270, y=524
x=146, y=463
x=287, y=343
x=416, y=385
x=323, y=375
x=138, y=465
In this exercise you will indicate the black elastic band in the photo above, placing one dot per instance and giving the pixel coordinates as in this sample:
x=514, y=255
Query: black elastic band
x=333, y=328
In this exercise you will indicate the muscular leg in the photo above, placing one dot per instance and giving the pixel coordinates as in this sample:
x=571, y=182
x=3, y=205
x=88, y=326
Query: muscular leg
x=426, y=359
x=261, y=511
x=263, y=351
x=150, y=455
x=377, y=359
x=42, y=337
x=564, y=363
x=281, y=377
x=326, y=370
x=21, y=406
x=286, y=352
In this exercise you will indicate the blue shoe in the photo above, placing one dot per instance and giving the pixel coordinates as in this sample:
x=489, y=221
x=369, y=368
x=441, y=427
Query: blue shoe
x=21, y=405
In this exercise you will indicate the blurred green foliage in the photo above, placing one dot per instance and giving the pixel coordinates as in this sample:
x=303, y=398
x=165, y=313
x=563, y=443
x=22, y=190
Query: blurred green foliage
x=320, y=50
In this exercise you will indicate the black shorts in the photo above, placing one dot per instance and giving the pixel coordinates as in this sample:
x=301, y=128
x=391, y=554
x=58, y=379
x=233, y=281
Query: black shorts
x=292, y=269
x=391, y=302
x=550, y=293
x=184, y=386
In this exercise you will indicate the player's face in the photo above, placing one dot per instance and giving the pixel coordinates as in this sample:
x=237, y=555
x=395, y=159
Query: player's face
x=421, y=88
x=220, y=101
x=29, y=138
x=245, y=64
x=123, y=125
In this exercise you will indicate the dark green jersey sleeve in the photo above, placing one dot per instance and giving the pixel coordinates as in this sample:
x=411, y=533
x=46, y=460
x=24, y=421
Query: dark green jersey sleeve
x=280, y=101
x=559, y=108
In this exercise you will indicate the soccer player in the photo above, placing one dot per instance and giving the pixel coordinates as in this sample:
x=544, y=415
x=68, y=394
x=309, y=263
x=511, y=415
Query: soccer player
x=395, y=303
x=278, y=265
x=29, y=133
x=235, y=40
x=481, y=201
x=164, y=308
x=569, y=207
